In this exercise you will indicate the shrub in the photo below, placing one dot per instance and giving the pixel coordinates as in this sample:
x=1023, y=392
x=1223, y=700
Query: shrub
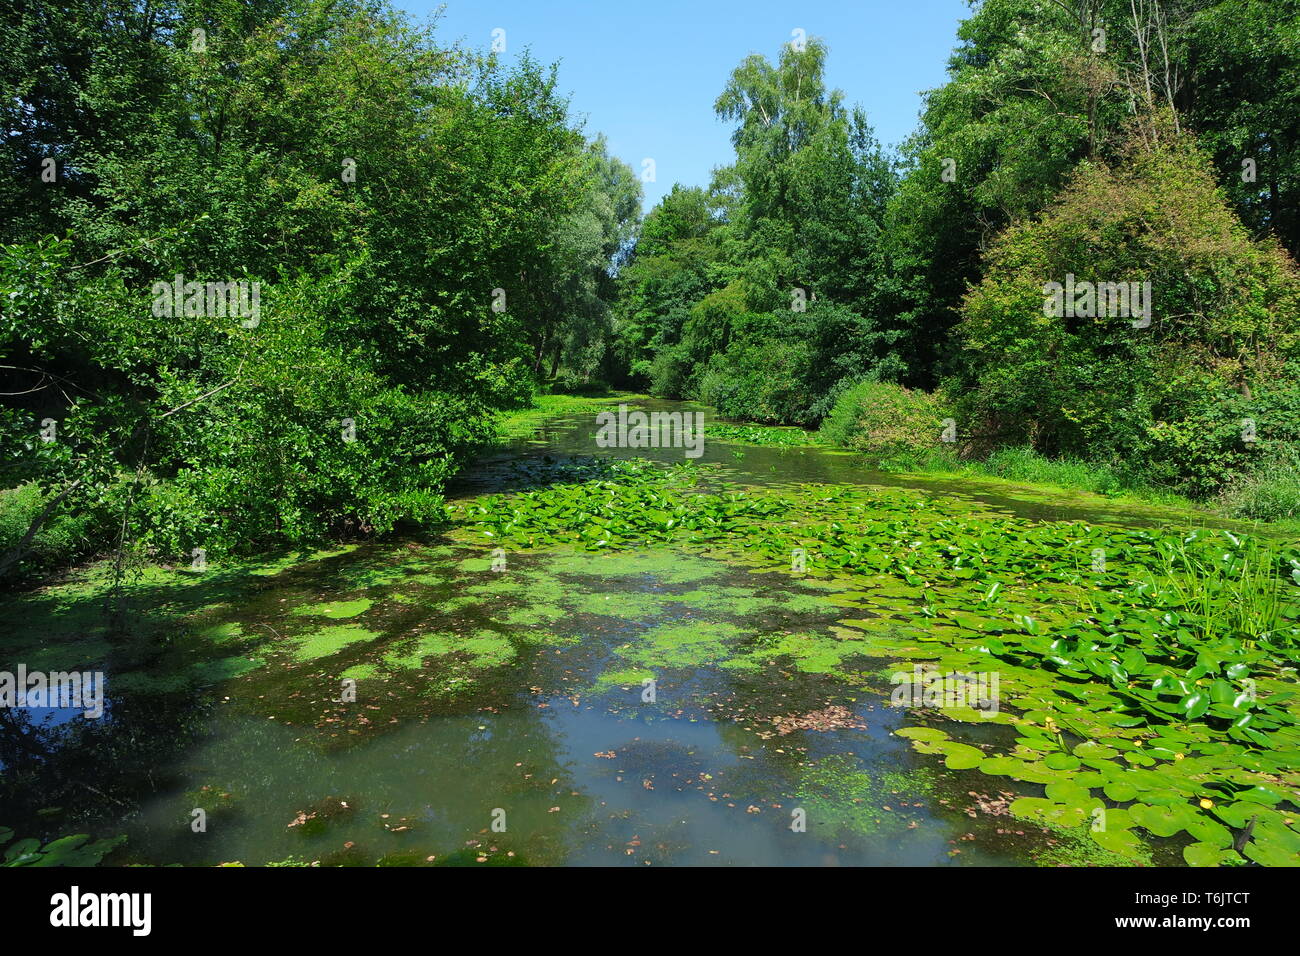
x=1225, y=438
x=763, y=382
x=669, y=372
x=1167, y=396
x=303, y=461
x=62, y=540
x=888, y=423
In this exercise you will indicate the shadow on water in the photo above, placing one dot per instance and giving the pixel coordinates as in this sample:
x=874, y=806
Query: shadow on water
x=501, y=714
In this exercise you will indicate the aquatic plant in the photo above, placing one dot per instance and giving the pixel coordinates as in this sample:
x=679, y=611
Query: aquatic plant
x=74, y=850
x=760, y=435
x=1148, y=674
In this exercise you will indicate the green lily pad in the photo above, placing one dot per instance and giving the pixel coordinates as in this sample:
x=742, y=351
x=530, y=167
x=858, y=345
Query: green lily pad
x=1049, y=813
x=1061, y=761
x=22, y=852
x=1163, y=821
x=958, y=756
x=1120, y=791
x=1204, y=854
x=928, y=734
x=1121, y=841
x=1268, y=854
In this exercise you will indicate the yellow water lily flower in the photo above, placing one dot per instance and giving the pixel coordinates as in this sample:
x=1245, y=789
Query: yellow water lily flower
x=1206, y=804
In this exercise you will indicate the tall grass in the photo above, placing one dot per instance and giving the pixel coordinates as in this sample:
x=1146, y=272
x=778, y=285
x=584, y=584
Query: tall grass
x=1229, y=583
x=1271, y=493
x=1025, y=464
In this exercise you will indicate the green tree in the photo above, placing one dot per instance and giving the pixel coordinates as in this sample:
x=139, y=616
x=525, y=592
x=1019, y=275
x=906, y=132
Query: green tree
x=377, y=188
x=1152, y=393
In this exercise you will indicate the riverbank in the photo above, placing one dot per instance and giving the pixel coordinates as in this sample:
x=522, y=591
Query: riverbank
x=1013, y=468
x=522, y=424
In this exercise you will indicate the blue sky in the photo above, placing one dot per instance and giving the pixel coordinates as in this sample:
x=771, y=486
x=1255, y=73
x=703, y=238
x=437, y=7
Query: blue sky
x=646, y=73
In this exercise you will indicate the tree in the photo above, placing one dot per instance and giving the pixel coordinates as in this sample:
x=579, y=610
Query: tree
x=373, y=185
x=589, y=245
x=769, y=276
x=1149, y=387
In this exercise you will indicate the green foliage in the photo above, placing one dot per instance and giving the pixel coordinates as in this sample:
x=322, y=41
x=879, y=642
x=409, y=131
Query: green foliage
x=58, y=543
x=1247, y=57
x=996, y=143
x=1232, y=589
x=1270, y=492
x=673, y=265
x=776, y=268
x=376, y=219
x=763, y=381
x=1171, y=395
x=588, y=245
x=715, y=321
x=886, y=422
x=1230, y=437
x=1030, y=95
x=761, y=435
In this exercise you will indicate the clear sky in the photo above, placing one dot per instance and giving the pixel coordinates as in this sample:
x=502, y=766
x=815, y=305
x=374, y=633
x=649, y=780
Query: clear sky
x=646, y=73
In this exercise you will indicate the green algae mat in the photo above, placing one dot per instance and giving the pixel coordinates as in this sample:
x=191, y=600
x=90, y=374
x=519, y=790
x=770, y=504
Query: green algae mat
x=627, y=663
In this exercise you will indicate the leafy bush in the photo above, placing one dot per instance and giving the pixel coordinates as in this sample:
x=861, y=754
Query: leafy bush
x=765, y=382
x=846, y=348
x=302, y=458
x=421, y=245
x=888, y=423
x=715, y=322
x=670, y=372
x=59, y=542
x=1169, y=395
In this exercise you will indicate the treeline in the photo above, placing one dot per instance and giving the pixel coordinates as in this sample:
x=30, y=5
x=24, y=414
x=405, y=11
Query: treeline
x=268, y=268
x=820, y=279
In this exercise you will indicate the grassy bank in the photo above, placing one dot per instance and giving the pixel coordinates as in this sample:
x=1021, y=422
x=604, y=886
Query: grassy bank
x=1275, y=502
x=1025, y=466
x=521, y=424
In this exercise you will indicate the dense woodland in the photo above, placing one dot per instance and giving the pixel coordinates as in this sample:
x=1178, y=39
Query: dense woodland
x=435, y=238
x=1106, y=140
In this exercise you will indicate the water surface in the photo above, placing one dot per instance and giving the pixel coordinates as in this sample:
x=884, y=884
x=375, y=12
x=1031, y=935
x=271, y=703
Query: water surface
x=501, y=712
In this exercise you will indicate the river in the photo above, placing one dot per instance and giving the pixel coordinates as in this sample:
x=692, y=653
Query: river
x=502, y=713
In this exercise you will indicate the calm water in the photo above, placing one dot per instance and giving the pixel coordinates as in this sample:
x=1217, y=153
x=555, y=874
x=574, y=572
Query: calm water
x=571, y=768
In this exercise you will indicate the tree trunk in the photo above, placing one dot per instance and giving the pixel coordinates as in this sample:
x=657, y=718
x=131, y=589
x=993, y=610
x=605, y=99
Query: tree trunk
x=20, y=550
